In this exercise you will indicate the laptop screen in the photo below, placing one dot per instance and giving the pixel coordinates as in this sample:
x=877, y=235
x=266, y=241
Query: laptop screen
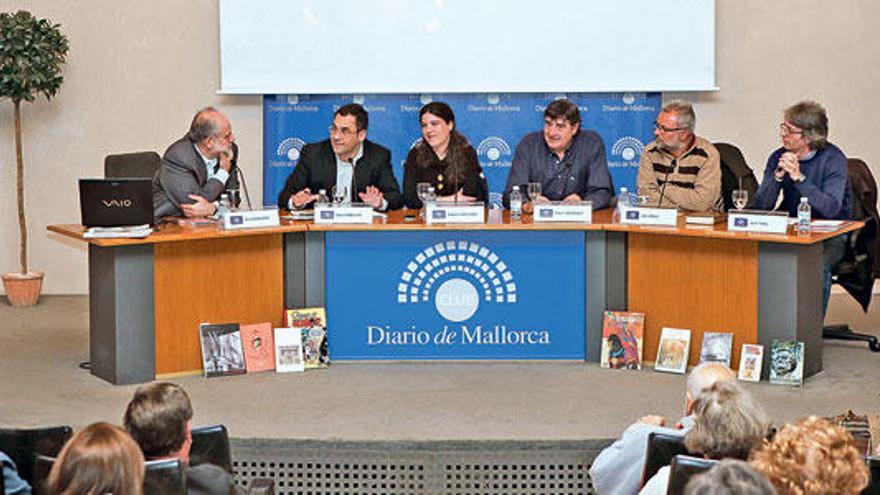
x=116, y=202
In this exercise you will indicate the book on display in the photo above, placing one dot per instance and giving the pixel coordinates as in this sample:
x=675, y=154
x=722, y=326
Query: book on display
x=622, y=340
x=259, y=347
x=787, y=363
x=672, y=353
x=288, y=350
x=312, y=323
x=716, y=348
x=222, y=353
x=750, y=361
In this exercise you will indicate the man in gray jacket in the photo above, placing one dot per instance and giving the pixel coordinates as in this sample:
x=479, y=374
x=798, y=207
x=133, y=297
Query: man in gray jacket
x=196, y=169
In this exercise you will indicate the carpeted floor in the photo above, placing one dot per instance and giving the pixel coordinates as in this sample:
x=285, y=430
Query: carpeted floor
x=41, y=384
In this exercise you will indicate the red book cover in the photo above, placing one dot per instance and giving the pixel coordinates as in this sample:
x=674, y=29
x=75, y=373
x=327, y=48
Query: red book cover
x=259, y=347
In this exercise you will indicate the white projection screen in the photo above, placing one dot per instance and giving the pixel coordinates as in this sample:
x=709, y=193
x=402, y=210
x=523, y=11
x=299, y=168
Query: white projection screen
x=418, y=46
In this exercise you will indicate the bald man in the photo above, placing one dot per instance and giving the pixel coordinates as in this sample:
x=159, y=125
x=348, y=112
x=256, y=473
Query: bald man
x=617, y=470
x=196, y=169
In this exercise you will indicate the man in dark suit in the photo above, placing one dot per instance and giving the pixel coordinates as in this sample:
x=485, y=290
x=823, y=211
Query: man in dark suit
x=197, y=168
x=346, y=159
x=159, y=418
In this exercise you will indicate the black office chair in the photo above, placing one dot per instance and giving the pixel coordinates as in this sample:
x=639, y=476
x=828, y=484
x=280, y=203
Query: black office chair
x=735, y=173
x=855, y=273
x=210, y=444
x=141, y=165
x=164, y=477
x=661, y=449
x=23, y=444
x=873, y=487
x=683, y=468
x=42, y=468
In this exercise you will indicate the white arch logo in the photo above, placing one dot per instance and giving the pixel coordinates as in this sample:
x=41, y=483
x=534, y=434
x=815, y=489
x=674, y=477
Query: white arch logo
x=461, y=275
x=627, y=148
x=290, y=148
x=493, y=148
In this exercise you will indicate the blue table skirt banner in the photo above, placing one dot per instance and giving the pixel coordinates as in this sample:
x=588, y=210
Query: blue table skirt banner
x=455, y=295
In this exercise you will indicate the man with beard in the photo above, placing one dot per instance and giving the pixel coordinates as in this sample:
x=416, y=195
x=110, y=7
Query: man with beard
x=346, y=160
x=680, y=169
x=196, y=169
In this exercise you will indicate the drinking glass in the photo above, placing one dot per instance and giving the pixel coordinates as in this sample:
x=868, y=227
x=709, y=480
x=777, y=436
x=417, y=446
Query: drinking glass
x=422, y=190
x=340, y=193
x=234, y=198
x=534, y=190
x=740, y=198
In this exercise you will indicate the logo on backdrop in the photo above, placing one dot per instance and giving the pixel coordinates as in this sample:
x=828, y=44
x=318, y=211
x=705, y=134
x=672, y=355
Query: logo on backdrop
x=628, y=104
x=494, y=152
x=629, y=150
x=290, y=149
x=457, y=276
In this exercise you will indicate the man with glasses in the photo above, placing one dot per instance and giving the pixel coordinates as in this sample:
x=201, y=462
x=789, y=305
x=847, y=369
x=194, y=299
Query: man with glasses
x=680, y=169
x=347, y=160
x=808, y=166
x=197, y=168
x=568, y=162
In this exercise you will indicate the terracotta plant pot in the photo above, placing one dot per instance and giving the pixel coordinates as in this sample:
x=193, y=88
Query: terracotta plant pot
x=23, y=290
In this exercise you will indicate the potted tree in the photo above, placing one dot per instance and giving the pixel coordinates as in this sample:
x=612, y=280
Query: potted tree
x=32, y=52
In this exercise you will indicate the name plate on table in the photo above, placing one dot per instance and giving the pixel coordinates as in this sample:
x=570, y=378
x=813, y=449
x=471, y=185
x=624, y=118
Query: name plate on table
x=251, y=219
x=767, y=222
x=455, y=213
x=645, y=215
x=354, y=213
x=558, y=211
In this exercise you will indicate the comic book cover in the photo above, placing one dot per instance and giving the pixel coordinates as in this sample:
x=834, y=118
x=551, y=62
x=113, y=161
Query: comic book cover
x=716, y=348
x=622, y=340
x=750, y=361
x=787, y=363
x=221, y=349
x=312, y=323
x=259, y=347
x=672, y=353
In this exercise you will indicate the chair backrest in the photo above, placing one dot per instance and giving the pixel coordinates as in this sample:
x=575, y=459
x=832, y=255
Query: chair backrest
x=164, y=477
x=210, y=445
x=23, y=444
x=42, y=467
x=735, y=170
x=662, y=448
x=683, y=468
x=873, y=487
x=856, y=271
x=142, y=165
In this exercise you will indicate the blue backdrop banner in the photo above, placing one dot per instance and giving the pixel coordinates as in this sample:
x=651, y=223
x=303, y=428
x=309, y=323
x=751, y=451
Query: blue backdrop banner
x=494, y=124
x=455, y=295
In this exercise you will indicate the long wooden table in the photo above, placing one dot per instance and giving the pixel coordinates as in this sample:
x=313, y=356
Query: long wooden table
x=148, y=295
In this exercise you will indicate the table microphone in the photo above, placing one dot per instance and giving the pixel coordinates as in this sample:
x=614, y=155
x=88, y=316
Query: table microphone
x=663, y=189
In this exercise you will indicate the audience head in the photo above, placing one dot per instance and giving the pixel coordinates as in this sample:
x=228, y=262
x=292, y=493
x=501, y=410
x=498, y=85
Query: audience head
x=812, y=456
x=727, y=423
x=438, y=122
x=805, y=126
x=729, y=477
x=702, y=377
x=562, y=119
x=212, y=132
x=674, y=127
x=349, y=130
x=159, y=418
x=98, y=460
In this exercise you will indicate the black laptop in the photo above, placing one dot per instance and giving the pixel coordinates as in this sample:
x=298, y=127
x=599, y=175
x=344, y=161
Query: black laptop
x=116, y=202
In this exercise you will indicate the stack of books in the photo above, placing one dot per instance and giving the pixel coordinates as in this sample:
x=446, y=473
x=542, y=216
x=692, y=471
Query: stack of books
x=125, y=232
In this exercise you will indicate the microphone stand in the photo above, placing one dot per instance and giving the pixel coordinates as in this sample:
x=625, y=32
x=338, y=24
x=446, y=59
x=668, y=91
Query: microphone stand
x=663, y=189
x=247, y=196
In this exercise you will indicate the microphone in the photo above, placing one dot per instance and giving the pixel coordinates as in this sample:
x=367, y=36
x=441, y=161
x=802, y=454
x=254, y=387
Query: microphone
x=247, y=196
x=663, y=189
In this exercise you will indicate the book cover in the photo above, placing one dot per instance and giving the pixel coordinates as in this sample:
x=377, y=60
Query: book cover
x=717, y=347
x=312, y=323
x=288, y=350
x=787, y=363
x=259, y=347
x=221, y=349
x=672, y=353
x=750, y=361
x=622, y=340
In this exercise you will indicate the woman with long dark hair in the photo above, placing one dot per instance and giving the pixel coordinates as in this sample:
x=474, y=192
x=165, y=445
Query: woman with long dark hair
x=443, y=158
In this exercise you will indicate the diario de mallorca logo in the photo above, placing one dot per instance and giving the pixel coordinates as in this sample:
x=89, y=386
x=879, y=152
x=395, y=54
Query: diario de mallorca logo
x=494, y=152
x=457, y=277
x=290, y=148
x=629, y=149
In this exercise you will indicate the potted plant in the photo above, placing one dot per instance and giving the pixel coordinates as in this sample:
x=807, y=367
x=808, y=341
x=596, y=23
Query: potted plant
x=32, y=52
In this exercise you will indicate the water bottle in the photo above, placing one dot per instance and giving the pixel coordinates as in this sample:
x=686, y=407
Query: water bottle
x=624, y=200
x=516, y=203
x=223, y=206
x=803, y=218
x=322, y=201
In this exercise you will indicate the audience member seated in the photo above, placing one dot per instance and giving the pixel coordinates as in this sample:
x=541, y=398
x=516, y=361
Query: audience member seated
x=727, y=424
x=617, y=470
x=159, y=418
x=100, y=459
x=730, y=477
x=13, y=484
x=812, y=457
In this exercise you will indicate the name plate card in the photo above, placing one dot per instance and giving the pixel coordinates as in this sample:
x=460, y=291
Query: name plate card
x=645, y=215
x=251, y=219
x=558, y=211
x=455, y=213
x=767, y=222
x=354, y=213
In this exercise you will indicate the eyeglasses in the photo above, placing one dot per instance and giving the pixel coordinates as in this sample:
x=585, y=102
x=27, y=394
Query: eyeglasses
x=662, y=128
x=344, y=131
x=559, y=125
x=786, y=129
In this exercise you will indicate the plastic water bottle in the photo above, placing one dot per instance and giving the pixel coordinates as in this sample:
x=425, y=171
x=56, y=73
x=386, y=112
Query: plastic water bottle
x=515, y=203
x=624, y=200
x=322, y=200
x=804, y=214
x=223, y=206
